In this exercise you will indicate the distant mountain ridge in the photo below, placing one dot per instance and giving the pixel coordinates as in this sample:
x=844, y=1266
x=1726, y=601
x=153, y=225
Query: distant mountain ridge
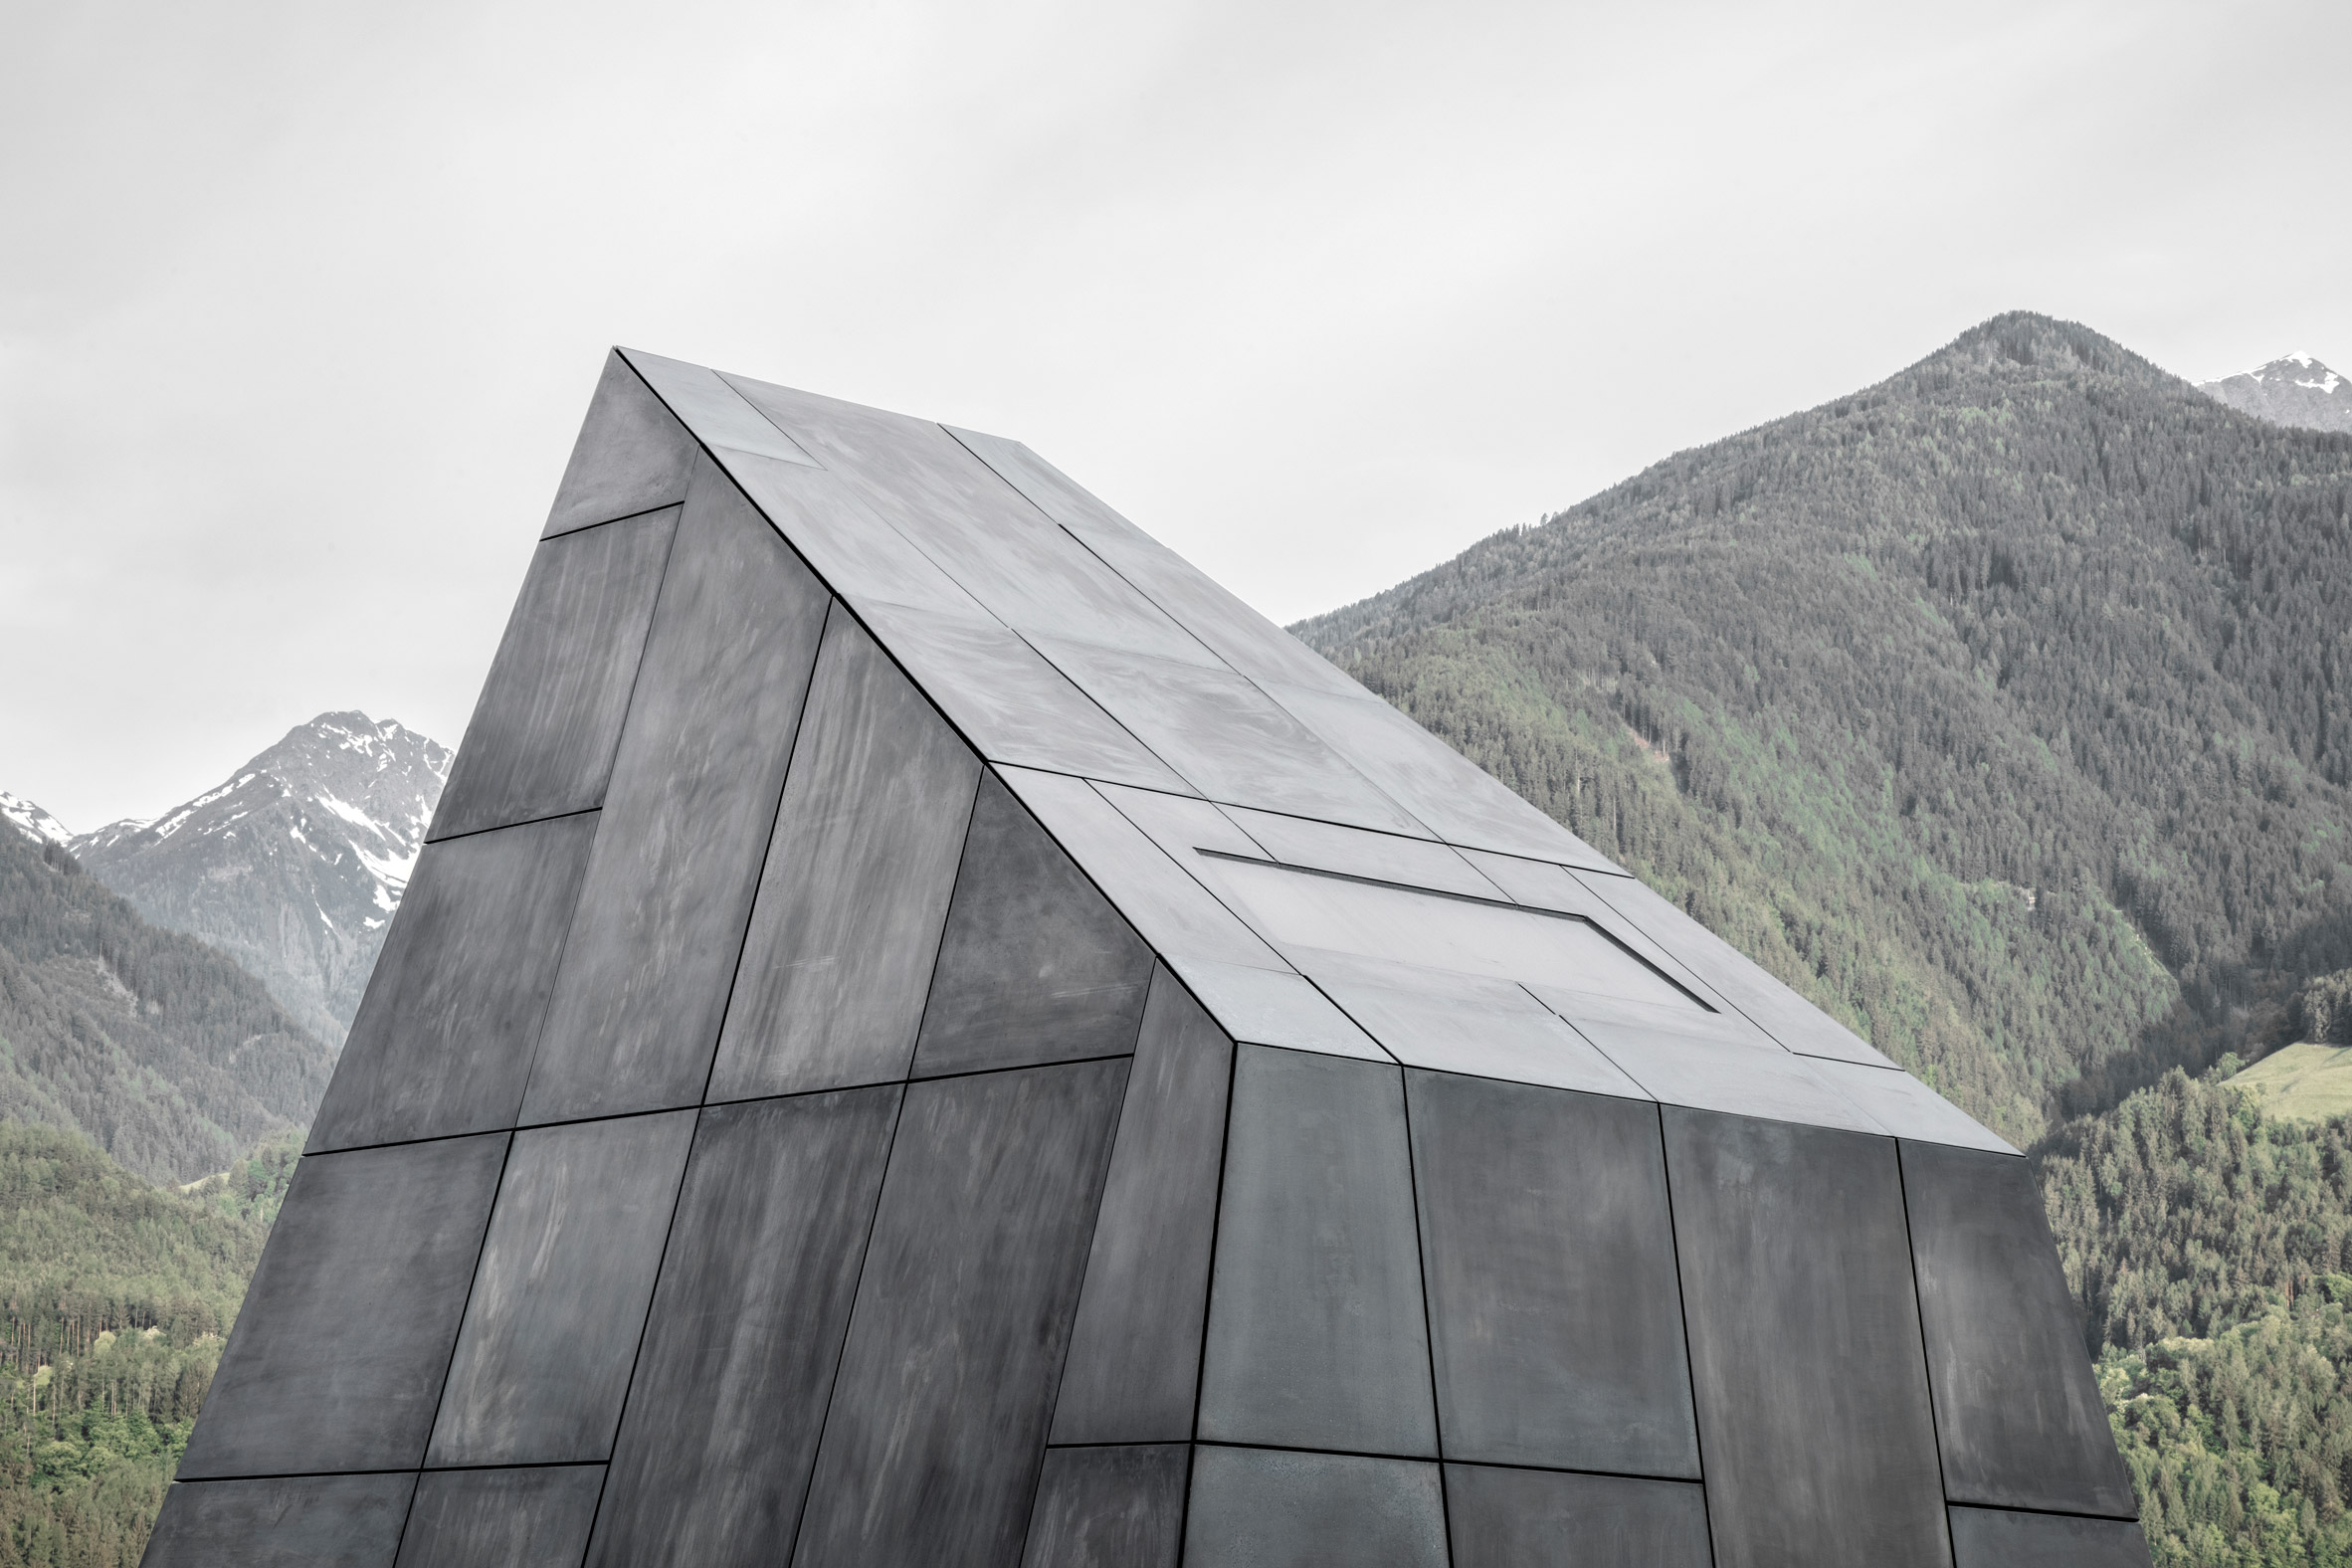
x=2004, y=707
x=31, y=821
x=294, y=863
x=2294, y=389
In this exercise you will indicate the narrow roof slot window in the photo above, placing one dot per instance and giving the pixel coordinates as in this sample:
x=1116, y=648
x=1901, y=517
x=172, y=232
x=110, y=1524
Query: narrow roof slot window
x=1310, y=908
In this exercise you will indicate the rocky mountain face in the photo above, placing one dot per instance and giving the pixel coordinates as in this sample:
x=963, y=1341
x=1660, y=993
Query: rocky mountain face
x=2295, y=389
x=294, y=863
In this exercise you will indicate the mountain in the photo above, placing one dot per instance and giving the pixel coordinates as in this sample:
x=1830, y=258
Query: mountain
x=294, y=863
x=2004, y=707
x=157, y=1048
x=31, y=821
x=2295, y=389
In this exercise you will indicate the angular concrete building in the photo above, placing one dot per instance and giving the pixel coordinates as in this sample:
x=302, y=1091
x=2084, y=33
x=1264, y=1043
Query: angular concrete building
x=927, y=1034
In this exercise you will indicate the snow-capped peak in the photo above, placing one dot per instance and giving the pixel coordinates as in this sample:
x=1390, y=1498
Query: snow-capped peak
x=31, y=821
x=2295, y=389
x=296, y=861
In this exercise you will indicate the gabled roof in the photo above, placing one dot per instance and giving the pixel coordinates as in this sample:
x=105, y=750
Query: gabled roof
x=1321, y=873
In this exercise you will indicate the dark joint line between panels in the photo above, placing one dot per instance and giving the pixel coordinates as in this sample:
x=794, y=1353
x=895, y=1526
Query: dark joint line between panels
x=1429, y=1323
x=1698, y=1436
x=2045, y=1513
x=712, y=1105
x=1102, y=1186
x=449, y=1364
x=605, y=523
x=527, y=822
x=849, y=1319
x=419, y=1471
x=1412, y=1458
x=1935, y=1413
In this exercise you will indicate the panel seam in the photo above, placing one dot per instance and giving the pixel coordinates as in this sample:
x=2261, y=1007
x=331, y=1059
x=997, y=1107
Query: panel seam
x=1699, y=1439
x=1943, y=1481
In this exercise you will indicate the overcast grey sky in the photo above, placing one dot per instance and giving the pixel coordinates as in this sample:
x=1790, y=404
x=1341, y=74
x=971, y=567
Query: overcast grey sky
x=300, y=303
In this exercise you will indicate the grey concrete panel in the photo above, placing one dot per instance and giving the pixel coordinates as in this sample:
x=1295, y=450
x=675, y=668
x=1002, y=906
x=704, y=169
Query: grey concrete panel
x=1109, y=1508
x=1788, y=1018
x=983, y=532
x=1908, y=1108
x=1179, y=917
x=1525, y=1518
x=1805, y=1348
x=1009, y=702
x=1459, y=1024
x=542, y=739
x=635, y=1013
x=861, y=557
x=1135, y=1351
x=2017, y=1407
x=1452, y=795
x=1989, y=1538
x=1352, y=851
x=311, y=1521
x=1540, y=884
x=716, y=412
x=1034, y=965
x=1722, y=1022
x=1268, y=1007
x=633, y=455
x=1238, y=634
x=339, y=1349
x=1317, y=1336
x=1555, y=1315
x=722, y=1426
x=1275, y=1509
x=559, y=1301
x=1715, y=1075
x=443, y=1040
x=501, y=1518
x=933, y=1442
x=1047, y=488
x=1181, y=824
x=846, y=926
x=1228, y=740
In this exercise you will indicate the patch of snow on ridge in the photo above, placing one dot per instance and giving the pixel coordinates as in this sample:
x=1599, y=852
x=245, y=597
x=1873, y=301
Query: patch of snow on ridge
x=31, y=821
x=351, y=814
x=391, y=873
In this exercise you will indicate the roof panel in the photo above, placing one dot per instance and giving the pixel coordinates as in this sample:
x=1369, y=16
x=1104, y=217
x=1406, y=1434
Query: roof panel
x=980, y=530
x=1241, y=635
x=1461, y=1024
x=1010, y=704
x=714, y=411
x=1224, y=735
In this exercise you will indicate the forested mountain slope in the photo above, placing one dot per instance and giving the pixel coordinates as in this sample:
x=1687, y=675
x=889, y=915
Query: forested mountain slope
x=115, y=1300
x=155, y=1047
x=2003, y=708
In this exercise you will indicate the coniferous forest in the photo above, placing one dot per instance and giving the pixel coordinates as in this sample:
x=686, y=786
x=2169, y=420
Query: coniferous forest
x=2003, y=708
